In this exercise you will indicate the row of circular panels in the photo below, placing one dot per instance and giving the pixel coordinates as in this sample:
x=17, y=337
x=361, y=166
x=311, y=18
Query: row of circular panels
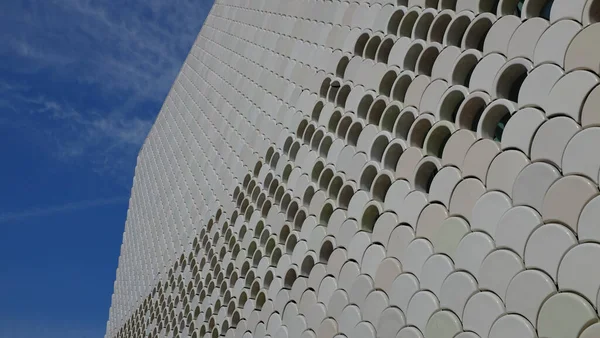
x=562, y=31
x=509, y=172
x=462, y=74
x=208, y=133
x=328, y=9
x=493, y=203
x=236, y=119
x=448, y=56
x=197, y=194
x=159, y=284
x=146, y=313
x=555, y=73
x=248, y=96
x=365, y=15
x=323, y=53
x=417, y=24
x=533, y=39
x=205, y=241
x=220, y=125
x=571, y=183
x=318, y=55
x=546, y=67
x=582, y=92
x=281, y=67
x=196, y=245
x=406, y=283
x=200, y=167
x=351, y=318
x=398, y=52
x=328, y=327
x=389, y=118
x=462, y=29
x=193, y=272
x=527, y=128
x=250, y=93
x=200, y=176
x=143, y=310
x=398, y=21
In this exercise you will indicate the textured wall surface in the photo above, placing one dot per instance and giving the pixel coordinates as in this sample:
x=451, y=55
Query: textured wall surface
x=409, y=169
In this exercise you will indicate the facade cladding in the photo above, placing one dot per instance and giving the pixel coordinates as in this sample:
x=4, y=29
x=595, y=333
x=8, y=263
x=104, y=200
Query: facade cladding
x=410, y=169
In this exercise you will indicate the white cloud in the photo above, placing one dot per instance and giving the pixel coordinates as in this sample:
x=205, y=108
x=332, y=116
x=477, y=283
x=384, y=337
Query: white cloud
x=109, y=141
x=131, y=131
x=127, y=54
x=51, y=210
x=129, y=46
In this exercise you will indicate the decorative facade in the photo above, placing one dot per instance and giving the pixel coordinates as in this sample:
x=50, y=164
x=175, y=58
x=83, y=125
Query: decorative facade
x=393, y=169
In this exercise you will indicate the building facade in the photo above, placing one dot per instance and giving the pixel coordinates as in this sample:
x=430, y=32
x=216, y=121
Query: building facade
x=401, y=169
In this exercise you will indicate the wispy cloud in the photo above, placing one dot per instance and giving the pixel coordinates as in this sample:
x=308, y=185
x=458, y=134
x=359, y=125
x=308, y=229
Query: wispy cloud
x=81, y=82
x=115, y=61
x=108, y=141
x=135, y=45
x=57, y=209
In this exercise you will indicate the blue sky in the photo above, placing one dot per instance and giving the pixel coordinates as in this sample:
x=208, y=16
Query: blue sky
x=81, y=82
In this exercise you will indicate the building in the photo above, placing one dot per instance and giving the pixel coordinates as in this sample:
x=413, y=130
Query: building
x=425, y=168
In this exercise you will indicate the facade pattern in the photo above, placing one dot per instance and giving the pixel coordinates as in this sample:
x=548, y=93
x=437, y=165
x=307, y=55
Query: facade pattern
x=401, y=169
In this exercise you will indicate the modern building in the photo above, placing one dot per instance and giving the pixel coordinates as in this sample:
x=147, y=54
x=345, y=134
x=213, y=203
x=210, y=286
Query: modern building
x=401, y=169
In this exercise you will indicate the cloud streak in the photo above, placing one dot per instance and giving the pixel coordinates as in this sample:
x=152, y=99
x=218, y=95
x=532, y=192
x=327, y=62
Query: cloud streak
x=106, y=69
x=108, y=142
x=135, y=46
x=58, y=209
